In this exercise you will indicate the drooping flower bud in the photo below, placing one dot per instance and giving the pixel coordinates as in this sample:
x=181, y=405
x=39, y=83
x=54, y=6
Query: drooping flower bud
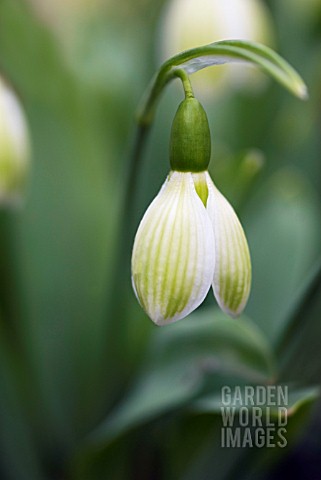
x=14, y=148
x=190, y=237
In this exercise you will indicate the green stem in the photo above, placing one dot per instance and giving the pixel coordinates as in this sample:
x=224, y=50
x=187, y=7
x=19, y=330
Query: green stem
x=147, y=107
x=186, y=83
x=133, y=168
x=118, y=359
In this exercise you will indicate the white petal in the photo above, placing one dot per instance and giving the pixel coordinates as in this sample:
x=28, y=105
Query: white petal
x=173, y=253
x=232, y=273
x=14, y=148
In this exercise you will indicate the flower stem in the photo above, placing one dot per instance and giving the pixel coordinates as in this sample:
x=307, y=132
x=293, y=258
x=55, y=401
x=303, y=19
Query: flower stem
x=186, y=83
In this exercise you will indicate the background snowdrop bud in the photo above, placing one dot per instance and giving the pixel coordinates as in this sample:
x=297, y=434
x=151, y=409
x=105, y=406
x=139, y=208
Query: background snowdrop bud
x=14, y=148
x=190, y=23
x=173, y=254
x=190, y=144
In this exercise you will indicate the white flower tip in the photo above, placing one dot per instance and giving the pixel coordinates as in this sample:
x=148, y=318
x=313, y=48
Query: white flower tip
x=160, y=321
x=232, y=286
x=233, y=312
x=302, y=91
x=155, y=312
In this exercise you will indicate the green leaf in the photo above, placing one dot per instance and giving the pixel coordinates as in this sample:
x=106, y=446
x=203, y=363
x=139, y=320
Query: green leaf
x=299, y=345
x=298, y=397
x=287, y=207
x=199, y=437
x=70, y=149
x=240, y=463
x=19, y=456
x=301, y=306
x=178, y=363
x=219, y=53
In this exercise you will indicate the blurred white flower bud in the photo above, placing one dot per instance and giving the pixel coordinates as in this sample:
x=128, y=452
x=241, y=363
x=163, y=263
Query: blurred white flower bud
x=14, y=148
x=190, y=23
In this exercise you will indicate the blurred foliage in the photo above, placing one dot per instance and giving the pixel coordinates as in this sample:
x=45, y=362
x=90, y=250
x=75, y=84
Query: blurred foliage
x=89, y=388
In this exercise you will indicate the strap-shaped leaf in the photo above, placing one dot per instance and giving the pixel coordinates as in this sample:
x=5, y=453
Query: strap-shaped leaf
x=181, y=360
x=298, y=397
x=219, y=53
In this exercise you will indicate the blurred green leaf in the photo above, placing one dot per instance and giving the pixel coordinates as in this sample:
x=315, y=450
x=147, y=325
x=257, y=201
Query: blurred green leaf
x=283, y=230
x=18, y=453
x=300, y=308
x=259, y=463
x=219, y=53
x=179, y=360
x=62, y=240
x=299, y=346
x=296, y=399
x=237, y=174
x=199, y=438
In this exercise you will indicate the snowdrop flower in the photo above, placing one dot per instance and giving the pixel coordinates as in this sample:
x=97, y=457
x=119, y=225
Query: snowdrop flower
x=14, y=147
x=189, y=23
x=190, y=237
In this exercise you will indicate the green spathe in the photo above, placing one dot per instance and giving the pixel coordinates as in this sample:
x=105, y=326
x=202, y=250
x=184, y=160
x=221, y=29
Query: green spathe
x=190, y=145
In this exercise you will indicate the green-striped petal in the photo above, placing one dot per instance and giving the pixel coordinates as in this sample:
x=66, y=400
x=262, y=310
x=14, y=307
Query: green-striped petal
x=173, y=253
x=232, y=273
